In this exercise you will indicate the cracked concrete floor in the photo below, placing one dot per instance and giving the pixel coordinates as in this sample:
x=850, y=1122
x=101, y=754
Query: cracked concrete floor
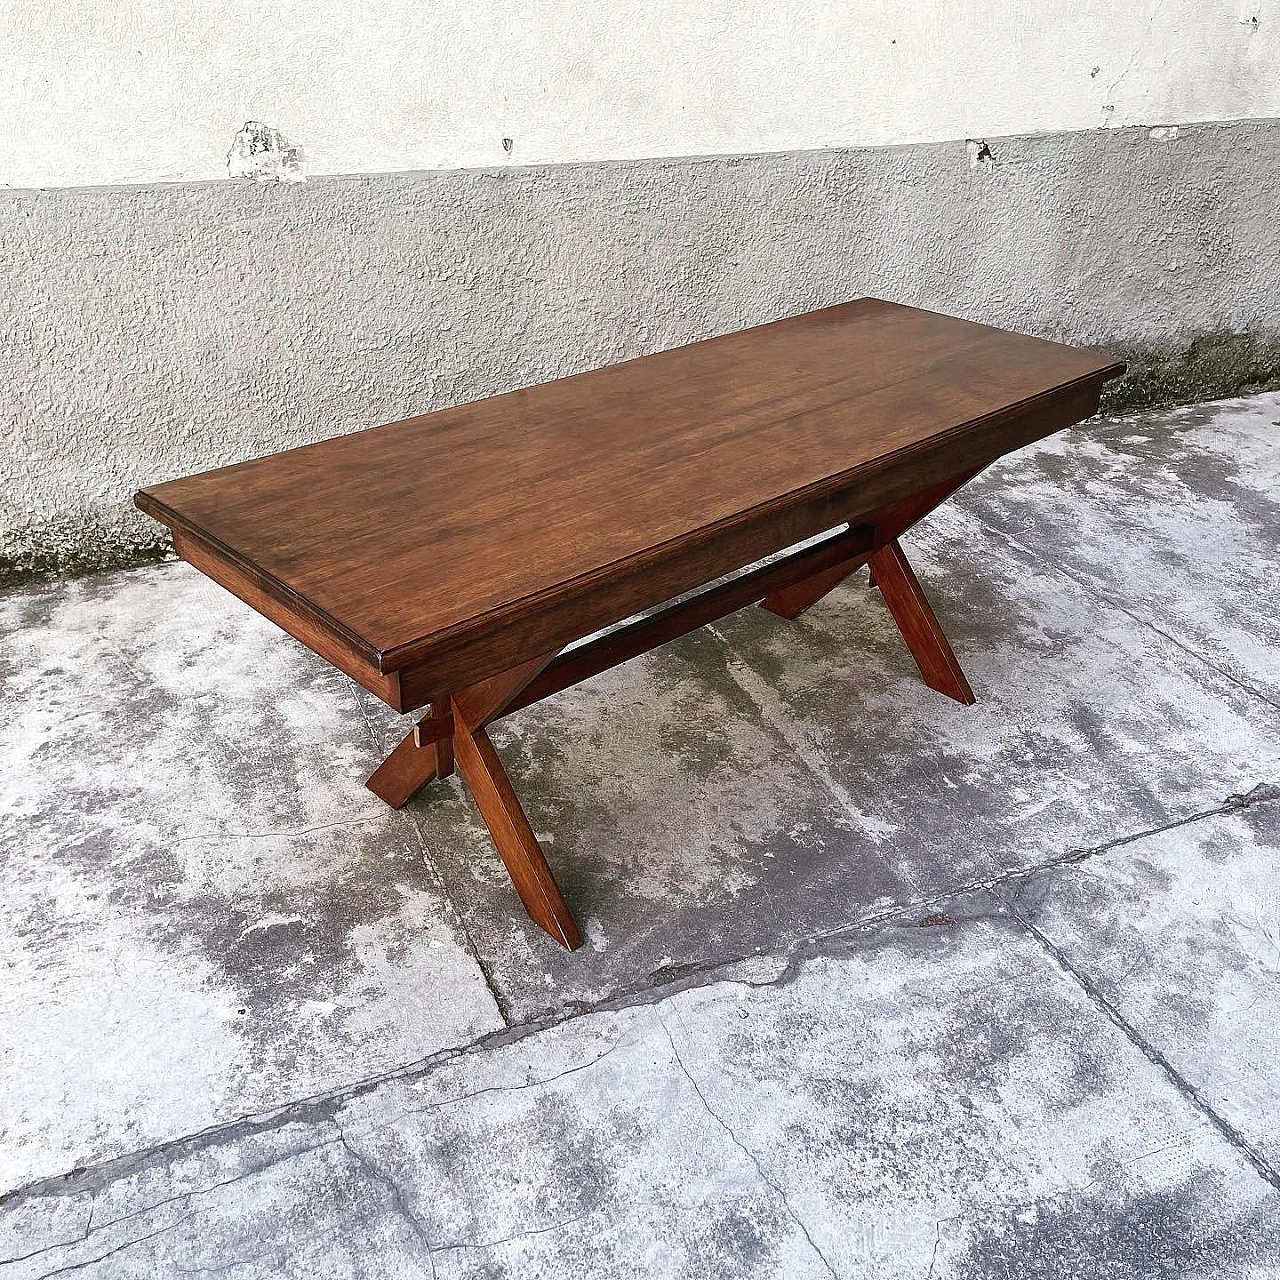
x=875, y=985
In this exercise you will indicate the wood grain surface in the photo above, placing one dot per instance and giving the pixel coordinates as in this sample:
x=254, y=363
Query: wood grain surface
x=463, y=541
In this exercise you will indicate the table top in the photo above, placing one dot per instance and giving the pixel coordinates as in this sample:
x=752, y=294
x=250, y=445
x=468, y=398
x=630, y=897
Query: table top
x=403, y=535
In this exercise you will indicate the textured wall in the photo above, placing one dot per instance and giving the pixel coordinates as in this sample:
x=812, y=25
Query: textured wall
x=155, y=331
x=107, y=91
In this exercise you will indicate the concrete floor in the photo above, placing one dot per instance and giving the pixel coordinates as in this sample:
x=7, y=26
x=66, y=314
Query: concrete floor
x=875, y=984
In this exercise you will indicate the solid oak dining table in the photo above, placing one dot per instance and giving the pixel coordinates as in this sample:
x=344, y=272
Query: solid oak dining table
x=479, y=558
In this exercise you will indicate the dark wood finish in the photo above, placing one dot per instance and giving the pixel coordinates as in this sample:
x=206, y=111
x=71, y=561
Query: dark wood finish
x=426, y=752
x=403, y=773
x=431, y=728
x=418, y=759
x=446, y=560
x=512, y=835
x=790, y=602
x=543, y=625
x=919, y=625
x=300, y=624
x=894, y=520
x=485, y=701
x=542, y=629
x=460, y=542
x=688, y=615
x=444, y=747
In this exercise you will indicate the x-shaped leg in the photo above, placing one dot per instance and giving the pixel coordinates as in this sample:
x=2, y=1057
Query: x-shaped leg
x=454, y=727
x=918, y=623
x=455, y=730
x=899, y=587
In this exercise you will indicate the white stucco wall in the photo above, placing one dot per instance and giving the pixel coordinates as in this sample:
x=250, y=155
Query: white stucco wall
x=135, y=91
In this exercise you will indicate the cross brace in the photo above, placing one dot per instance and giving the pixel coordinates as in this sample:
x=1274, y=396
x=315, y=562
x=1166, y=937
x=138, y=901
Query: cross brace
x=453, y=730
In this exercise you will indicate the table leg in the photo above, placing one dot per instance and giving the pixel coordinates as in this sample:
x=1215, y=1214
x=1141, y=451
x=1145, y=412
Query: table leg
x=889, y=522
x=512, y=835
x=454, y=730
x=791, y=602
x=444, y=746
x=415, y=761
x=929, y=646
x=897, y=584
x=491, y=789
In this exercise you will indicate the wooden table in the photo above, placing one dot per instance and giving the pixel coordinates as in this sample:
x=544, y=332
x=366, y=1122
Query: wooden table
x=445, y=562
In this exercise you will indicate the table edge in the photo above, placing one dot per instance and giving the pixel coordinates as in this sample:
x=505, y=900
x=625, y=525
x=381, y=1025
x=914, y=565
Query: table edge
x=398, y=656
x=390, y=660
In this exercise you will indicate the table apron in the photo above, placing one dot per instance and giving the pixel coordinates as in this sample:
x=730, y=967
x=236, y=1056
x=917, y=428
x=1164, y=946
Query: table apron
x=569, y=616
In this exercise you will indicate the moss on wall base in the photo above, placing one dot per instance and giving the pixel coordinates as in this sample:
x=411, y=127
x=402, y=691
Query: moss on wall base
x=76, y=552
x=1213, y=366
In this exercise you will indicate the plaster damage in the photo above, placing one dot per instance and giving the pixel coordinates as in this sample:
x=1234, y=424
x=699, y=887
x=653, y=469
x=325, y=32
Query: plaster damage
x=149, y=336
x=980, y=154
x=264, y=154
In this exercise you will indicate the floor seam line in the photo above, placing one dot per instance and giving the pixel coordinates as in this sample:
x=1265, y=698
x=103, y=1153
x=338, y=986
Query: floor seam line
x=751, y=1156
x=1153, y=1055
x=1099, y=593
x=1073, y=857
x=800, y=750
x=637, y=996
x=499, y=1000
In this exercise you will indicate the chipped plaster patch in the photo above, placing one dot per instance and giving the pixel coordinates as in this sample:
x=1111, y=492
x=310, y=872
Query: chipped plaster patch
x=980, y=154
x=263, y=154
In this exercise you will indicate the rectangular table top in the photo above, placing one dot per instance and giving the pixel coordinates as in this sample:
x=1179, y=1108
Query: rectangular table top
x=423, y=533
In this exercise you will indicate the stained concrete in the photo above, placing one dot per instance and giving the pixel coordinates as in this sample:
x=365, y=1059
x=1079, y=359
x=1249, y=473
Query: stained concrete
x=764, y=781
x=152, y=331
x=1193, y=967
x=1171, y=517
x=874, y=984
x=800, y=778
x=198, y=922
x=944, y=1100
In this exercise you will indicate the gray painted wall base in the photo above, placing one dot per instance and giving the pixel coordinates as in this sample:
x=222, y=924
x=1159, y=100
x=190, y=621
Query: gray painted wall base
x=155, y=331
